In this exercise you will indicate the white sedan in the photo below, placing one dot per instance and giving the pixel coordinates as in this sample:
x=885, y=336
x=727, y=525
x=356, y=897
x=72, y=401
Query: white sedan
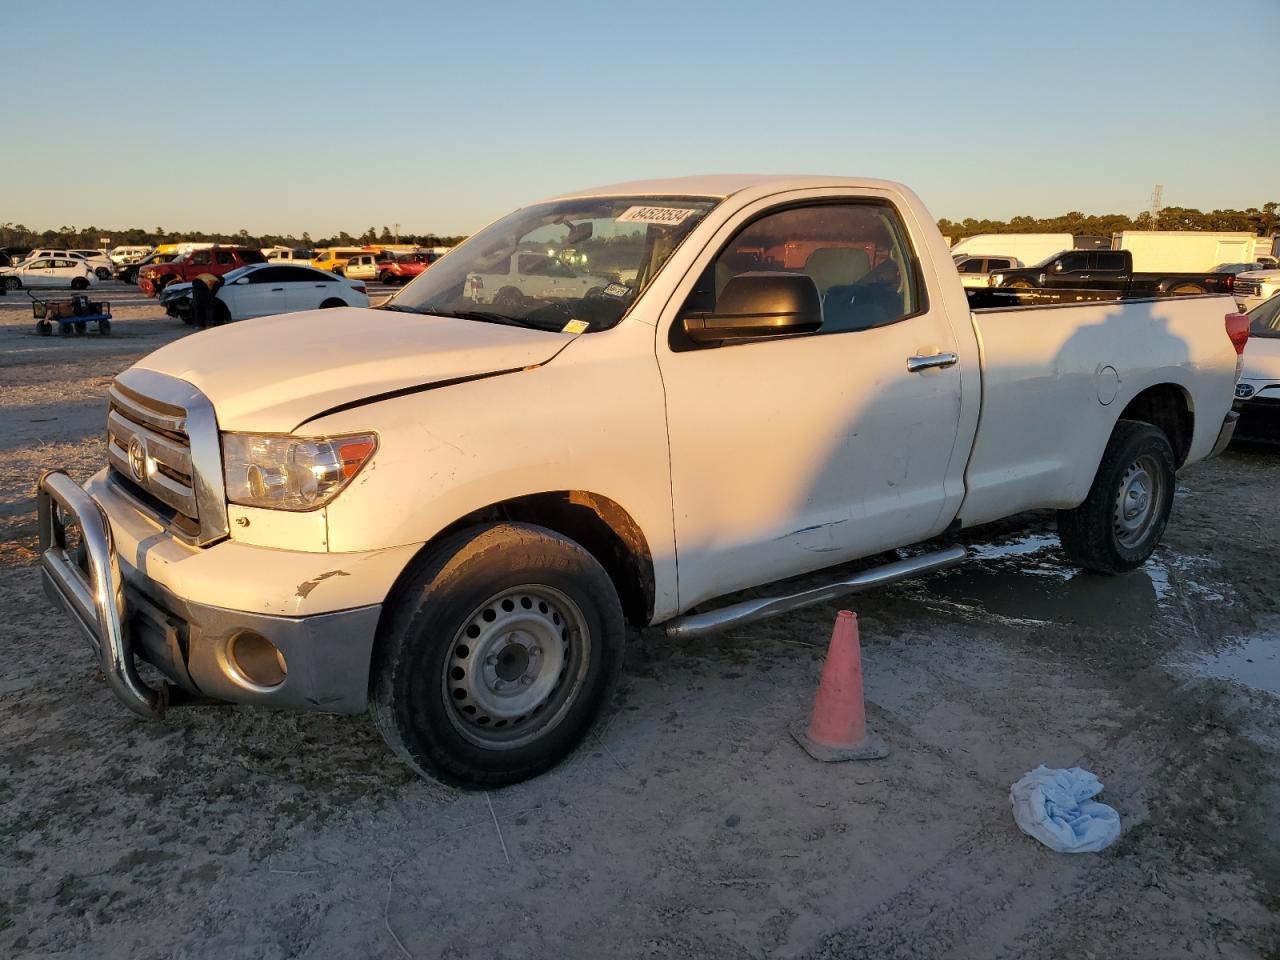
x=49, y=272
x=264, y=289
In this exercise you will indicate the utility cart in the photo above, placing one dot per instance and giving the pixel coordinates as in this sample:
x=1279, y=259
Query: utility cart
x=71, y=316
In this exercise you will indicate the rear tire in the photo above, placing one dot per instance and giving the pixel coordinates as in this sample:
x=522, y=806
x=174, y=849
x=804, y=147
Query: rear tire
x=386, y=278
x=80, y=283
x=104, y=328
x=331, y=303
x=12, y=283
x=1186, y=290
x=1020, y=285
x=1121, y=521
x=44, y=328
x=497, y=656
x=221, y=313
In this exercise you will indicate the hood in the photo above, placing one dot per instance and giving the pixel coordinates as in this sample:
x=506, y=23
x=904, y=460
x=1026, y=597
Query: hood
x=1270, y=274
x=271, y=374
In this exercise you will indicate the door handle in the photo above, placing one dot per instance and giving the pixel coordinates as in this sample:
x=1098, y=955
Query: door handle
x=916, y=364
x=277, y=289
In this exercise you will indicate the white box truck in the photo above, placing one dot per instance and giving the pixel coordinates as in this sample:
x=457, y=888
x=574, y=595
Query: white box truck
x=1188, y=251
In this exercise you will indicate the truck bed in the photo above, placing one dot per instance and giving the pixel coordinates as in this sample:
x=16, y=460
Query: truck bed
x=1040, y=360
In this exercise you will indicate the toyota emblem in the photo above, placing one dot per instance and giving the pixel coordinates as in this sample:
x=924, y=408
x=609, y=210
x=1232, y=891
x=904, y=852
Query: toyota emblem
x=138, y=459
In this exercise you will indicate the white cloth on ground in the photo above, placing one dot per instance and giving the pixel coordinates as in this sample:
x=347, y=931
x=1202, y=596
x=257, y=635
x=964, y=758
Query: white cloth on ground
x=1056, y=808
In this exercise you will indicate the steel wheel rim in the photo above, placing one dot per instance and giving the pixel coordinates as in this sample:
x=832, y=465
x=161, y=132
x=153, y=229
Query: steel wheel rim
x=515, y=666
x=1138, y=501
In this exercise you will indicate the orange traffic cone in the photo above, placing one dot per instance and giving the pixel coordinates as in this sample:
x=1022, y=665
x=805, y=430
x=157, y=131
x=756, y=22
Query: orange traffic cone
x=838, y=730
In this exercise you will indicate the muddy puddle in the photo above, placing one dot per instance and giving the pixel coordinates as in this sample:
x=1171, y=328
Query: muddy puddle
x=1252, y=661
x=1026, y=577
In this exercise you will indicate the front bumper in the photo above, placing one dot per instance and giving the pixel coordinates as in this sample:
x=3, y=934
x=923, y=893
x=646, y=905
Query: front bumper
x=124, y=615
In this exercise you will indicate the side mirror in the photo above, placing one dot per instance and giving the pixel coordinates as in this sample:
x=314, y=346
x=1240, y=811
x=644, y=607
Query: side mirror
x=1057, y=266
x=757, y=306
x=240, y=280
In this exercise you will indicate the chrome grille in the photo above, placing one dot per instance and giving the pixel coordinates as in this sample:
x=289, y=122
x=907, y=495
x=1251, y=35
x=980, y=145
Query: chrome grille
x=163, y=449
x=1246, y=287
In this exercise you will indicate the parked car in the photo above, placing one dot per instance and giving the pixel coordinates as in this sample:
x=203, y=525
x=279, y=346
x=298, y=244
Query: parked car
x=530, y=276
x=125, y=255
x=1254, y=287
x=405, y=266
x=128, y=272
x=1258, y=392
x=102, y=264
x=1109, y=272
x=362, y=266
x=217, y=260
x=974, y=271
x=263, y=289
x=60, y=271
x=101, y=267
x=446, y=514
x=296, y=255
x=335, y=258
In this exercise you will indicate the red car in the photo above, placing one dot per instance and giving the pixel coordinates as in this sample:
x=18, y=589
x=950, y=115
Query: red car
x=404, y=267
x=216, y=260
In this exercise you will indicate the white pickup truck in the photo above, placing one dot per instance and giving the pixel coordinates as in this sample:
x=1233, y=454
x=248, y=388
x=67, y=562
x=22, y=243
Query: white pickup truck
x=446, y=515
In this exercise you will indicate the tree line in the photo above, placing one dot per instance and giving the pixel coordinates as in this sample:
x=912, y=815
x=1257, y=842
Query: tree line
x=19, y=236
x=1263, y=222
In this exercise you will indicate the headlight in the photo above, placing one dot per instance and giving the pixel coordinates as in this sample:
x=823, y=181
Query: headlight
x=291, y=473
x=995, y=279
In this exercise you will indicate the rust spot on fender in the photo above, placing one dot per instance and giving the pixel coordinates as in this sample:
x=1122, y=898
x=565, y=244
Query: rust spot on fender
x=305, y=588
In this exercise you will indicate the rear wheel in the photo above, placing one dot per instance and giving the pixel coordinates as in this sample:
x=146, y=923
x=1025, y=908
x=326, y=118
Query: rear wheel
x=331, y=303
x=44, y=328
x=338, y=271
x=1020, y=285
x=509, y=298
x=498, y=656
x=221, y=314
x=386, y=278
x=104, y=327
x=1186, y=289
x=80, y=283
x=1121, y=521
x=81, y=328
x=12, y=283
x=64, y=330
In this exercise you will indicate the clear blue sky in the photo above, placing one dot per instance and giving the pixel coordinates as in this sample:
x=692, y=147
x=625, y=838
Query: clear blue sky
x=284, y=117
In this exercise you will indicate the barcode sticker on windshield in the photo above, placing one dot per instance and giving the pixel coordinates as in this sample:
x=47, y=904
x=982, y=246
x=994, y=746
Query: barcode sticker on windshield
x=575, y=326
x=663, y=216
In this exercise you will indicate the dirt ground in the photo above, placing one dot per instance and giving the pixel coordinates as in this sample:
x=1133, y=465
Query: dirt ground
x=690, y=826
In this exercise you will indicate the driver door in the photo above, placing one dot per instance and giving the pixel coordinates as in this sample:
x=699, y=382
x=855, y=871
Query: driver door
x=797, y=453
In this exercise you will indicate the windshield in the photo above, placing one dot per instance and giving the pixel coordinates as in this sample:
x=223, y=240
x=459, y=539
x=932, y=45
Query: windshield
x=1264, y=319
x=569, y=264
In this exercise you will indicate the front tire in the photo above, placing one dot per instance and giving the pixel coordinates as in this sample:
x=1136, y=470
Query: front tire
x=499, y=653
x=1121, y=521
x=102, y=273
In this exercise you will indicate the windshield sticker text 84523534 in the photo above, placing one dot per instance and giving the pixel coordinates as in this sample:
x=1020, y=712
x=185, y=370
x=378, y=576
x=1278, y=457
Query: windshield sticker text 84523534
x=663, y=216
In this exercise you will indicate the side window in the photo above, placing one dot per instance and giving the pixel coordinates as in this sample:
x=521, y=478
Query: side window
x=225, y=256
x=302, y=275
x=268, y=275
x=200, y=257
x=998, y=264
x=1074, y=263
x=857, y=255
x=971, y=266
x=40, y=265
x=1111, y=262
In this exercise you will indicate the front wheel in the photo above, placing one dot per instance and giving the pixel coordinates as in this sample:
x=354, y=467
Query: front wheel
x=103, y=273
x=499, y=654
x=12, y=283
x=1121, y=521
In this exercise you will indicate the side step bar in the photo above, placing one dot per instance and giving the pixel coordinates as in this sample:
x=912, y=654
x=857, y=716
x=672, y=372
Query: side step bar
x=701, y=624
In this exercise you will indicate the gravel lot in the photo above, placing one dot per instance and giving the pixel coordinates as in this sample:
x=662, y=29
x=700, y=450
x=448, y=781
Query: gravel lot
x=691, y=825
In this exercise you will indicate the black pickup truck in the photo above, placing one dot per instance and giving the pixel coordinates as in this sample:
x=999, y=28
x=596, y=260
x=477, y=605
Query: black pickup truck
x=1108, y=274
